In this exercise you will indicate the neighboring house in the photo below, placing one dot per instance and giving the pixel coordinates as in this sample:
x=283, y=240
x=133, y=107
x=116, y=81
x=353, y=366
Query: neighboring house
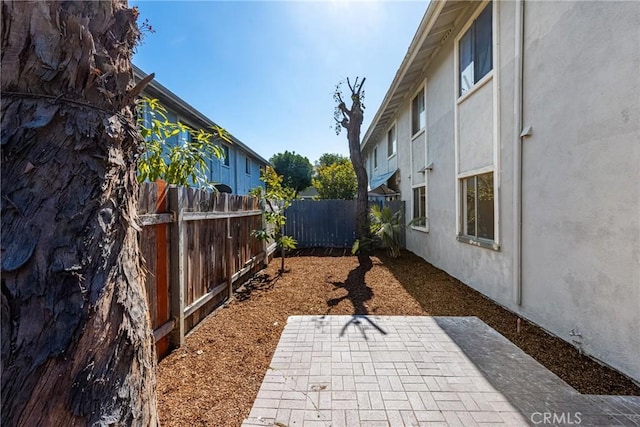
x=513, y=129
x=239, y=171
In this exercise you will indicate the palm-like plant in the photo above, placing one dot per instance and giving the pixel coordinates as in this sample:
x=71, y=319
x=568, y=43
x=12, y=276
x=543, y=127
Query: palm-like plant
x=387, y=226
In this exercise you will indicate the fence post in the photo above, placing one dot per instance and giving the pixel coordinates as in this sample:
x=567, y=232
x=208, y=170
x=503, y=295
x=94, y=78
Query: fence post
x=229, y=267
x=163, y=314
x=229, y=244
x=176, y=288
x=265, y=242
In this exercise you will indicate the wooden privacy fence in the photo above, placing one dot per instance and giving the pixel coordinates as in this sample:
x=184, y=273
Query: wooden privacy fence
x=328, y=223
x=322, y=223
x=197, y=245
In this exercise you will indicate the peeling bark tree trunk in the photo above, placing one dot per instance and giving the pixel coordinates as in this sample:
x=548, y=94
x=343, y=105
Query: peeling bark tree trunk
x=77, y=346
x=352, y=122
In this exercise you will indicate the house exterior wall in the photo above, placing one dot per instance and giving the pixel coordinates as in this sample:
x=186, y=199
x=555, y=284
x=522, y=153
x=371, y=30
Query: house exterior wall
x=580, y=168
x=232, y=174
x=386, y=162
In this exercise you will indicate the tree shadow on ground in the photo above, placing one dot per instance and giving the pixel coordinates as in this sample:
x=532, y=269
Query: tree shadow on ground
x=259, y=282
x=320, y=252
x=358, y=292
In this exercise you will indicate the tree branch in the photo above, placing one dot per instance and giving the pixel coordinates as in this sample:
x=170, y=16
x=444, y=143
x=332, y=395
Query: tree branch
x=344, y=122
x=138, y=88
x=361, y=84
x=345, y=111
x=270, y=205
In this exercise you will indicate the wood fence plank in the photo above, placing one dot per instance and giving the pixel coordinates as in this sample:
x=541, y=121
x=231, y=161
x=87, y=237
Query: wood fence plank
x=162, y=269
x=327, y=223
x=177, y=263
x=207, y=245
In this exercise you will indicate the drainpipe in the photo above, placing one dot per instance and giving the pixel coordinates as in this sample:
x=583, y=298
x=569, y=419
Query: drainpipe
x=517, y=162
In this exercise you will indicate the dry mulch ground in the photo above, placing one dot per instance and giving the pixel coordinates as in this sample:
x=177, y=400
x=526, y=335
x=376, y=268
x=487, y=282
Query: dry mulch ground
x=213, y=379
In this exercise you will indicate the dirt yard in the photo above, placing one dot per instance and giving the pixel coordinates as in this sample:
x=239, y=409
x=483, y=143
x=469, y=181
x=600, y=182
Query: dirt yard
x=214, y=378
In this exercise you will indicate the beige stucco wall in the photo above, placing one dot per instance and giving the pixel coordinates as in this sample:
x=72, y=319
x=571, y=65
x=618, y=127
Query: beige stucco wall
x=581, y=173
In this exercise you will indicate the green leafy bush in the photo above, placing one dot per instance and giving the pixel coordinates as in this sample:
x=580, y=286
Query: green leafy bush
x=274, y=200
x=386, y=228
x=182, y=163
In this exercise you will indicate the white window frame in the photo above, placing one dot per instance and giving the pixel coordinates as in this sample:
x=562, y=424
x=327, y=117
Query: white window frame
x=421, y=133
x=226, y=161
x=146, y=113
x=424, y=228
x=247, y=166
x=477, y=85
x=394, y=145
x=423, y=88
x=184, y=136
x=474, y=240
x=459, y=99
x=375, y=158
x=463, y=211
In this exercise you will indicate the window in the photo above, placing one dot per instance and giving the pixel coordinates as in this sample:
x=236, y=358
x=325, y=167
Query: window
x=418, y=114
x=420, y=206
x=391, y=141
x=476, y=51
x=185, y=136
x=375, y=158
x=247, y=166
x=478, y=206
x=225, y=153
x=145, y=114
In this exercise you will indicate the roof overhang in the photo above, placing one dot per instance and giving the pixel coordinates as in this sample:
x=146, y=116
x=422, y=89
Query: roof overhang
x=439, y=21
x=380, y=180
x=383, y=190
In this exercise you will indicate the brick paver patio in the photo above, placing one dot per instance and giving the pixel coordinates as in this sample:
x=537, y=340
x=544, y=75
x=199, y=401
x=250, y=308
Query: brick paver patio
x=417, y=371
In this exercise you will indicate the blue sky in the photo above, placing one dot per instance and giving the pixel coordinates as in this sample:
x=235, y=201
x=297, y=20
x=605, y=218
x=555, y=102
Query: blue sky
x=266, y=70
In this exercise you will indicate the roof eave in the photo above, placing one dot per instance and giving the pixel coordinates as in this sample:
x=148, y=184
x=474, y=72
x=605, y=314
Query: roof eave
x=426, y=25
x=178, y=102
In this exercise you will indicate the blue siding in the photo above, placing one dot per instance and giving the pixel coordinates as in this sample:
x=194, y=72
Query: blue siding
x=235, y=175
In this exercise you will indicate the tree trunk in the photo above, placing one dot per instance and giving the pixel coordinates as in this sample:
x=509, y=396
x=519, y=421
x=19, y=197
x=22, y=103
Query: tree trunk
x=77, y=346
x=362, y=201
x=352, y=121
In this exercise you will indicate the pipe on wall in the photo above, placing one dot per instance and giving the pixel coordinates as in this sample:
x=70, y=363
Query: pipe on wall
x=517, y=157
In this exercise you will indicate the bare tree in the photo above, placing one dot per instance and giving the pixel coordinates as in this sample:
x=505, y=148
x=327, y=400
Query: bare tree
x=77, y=346
x=351, y=120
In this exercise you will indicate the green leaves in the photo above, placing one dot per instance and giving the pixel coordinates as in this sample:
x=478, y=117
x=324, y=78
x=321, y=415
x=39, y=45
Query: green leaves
x=274, y=200
x=288, y=242
x=387, y=227
x=335, y=178
x=174, y=152
x=295, y=170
